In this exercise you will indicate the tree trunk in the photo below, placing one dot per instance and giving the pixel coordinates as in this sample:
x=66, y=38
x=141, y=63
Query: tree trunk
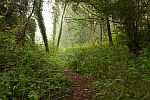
x=54, y=31
x=61, y=24
x=109, y=31
x=41, y=25
x=55, y=20
x=133, y=42
x=101, y=31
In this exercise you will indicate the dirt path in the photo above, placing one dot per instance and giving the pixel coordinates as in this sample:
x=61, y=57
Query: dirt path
x=80, y=88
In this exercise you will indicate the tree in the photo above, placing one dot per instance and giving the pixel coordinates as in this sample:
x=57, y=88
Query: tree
x=15, y=16
x=24, y=20
x=61, y=24
x=109, y=31
x=30, y=31
x=128, y=13
x=55, y=20
x=41, y=24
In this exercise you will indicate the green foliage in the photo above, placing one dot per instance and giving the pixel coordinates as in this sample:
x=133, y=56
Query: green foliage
x=128, y=14
x=115, y=75
x=30, y=31
x=28, y=74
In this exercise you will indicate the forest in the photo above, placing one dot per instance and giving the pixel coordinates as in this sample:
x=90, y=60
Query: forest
x=98, y=50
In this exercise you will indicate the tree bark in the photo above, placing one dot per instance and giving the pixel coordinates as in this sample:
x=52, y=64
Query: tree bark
x=41, y=25
x=101, y=31
x=61, y=24
x=54, y=31
x=55, y=20
x=109, y=31
x=133, y=42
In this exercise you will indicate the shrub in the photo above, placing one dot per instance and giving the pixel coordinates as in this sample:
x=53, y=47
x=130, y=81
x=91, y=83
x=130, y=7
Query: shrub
x=29, y=74
x=115, y=74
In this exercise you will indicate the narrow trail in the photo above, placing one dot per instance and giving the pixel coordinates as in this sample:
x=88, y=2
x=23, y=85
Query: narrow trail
x=79, y=88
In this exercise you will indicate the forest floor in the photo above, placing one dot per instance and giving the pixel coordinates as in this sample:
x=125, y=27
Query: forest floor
x=80, y=88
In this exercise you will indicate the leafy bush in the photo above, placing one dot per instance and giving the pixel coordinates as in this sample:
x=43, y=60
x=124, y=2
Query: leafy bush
x=115, y=74
x=29, y=74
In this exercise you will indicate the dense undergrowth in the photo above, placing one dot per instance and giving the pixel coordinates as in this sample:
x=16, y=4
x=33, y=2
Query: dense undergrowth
x=28, y=74
x=115, y=74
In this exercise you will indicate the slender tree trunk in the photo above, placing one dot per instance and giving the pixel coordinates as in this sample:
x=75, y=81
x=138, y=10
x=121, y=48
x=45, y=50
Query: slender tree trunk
x=148, y=26
x=109, y=31
x=41, y=25
x=61, y=25
x=54, y=31
x=92, y=28
x=55, y=20
x=101, y=31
